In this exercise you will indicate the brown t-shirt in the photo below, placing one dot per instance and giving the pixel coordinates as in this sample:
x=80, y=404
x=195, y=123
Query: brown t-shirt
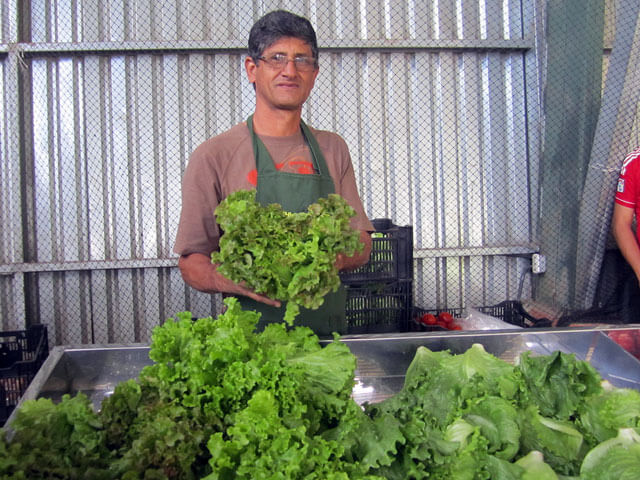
x=225, y=163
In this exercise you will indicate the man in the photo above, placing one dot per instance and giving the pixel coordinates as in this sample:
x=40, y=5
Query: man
x=278, y=155
x=626, y=207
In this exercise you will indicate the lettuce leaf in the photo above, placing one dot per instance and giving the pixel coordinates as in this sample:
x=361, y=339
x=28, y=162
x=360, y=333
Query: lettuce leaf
x=497, y=420
x=560, y=441
x=617, y=458
x=535, y=467
x=603, y=415
x=55, y=440
x=558, y=383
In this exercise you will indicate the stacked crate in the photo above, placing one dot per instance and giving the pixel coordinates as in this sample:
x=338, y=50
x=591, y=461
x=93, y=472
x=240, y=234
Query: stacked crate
x=380, y=293
x=22, y=352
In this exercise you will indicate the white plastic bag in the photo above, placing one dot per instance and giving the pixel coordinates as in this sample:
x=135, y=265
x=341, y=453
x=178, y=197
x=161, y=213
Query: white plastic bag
x=476, y=320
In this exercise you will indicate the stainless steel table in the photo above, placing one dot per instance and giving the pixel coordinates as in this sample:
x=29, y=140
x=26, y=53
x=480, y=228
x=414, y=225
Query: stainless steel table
x=382, y=360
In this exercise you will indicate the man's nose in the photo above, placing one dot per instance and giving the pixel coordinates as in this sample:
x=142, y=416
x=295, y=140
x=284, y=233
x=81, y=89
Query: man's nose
x=290, y=68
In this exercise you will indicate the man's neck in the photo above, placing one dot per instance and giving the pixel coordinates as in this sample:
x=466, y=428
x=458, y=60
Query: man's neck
x=276, y=123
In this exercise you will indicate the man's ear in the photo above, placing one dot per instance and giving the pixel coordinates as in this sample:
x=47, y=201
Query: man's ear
x=250, y=67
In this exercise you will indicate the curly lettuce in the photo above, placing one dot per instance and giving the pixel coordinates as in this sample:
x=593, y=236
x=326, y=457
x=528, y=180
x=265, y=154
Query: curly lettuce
x=286, y=256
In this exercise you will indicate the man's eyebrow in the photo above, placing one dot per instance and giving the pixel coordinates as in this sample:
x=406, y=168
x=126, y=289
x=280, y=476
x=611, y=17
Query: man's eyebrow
x=297, y=54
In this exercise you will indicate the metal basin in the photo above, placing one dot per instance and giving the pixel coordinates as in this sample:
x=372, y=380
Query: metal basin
x=382, y=360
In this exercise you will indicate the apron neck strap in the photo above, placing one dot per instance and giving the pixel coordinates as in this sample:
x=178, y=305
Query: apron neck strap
x=316, y=153
x=261, y=153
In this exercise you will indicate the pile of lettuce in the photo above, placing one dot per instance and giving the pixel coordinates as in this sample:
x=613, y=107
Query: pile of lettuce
x=221, y=401
x=475, y=416
x=286, y=256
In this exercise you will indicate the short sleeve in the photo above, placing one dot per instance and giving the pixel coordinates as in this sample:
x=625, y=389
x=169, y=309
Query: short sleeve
x=629, y=180
x=198, y=231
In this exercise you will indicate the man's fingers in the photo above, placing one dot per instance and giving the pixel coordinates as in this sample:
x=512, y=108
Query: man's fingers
x=267, y=300
x=241, y=288
x=261, y=298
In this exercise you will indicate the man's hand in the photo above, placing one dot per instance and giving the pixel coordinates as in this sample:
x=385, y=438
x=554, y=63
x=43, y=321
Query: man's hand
x=349, y=263
x=198, y=272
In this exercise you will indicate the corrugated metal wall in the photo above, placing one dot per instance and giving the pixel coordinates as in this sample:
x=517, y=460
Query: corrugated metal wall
x=438, y=102
x=609, y=37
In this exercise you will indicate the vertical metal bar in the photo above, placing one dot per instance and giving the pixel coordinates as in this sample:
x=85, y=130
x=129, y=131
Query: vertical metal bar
x=17, y=105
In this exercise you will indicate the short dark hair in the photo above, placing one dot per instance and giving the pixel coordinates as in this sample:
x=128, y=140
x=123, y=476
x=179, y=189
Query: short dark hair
x=276, y=25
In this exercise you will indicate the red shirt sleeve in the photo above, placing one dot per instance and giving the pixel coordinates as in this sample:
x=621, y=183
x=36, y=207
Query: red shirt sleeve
x=628, y=187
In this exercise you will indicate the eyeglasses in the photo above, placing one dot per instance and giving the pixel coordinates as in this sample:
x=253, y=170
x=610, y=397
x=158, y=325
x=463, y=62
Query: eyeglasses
x=280, y=60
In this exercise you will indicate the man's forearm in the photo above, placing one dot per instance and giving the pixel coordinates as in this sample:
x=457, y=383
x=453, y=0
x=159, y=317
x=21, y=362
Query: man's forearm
x=628, y=245
x=198, y=272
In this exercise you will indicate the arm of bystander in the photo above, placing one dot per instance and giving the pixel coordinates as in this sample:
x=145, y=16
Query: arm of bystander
x=622, y=226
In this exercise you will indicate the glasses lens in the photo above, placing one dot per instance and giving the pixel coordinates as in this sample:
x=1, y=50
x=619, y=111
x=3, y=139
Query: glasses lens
x=303, y=64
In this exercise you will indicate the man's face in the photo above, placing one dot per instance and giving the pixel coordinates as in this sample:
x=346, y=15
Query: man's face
x=286, y=87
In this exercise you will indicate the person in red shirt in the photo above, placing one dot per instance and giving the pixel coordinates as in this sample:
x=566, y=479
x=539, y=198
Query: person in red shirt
x=626, y=212
x=627, y=206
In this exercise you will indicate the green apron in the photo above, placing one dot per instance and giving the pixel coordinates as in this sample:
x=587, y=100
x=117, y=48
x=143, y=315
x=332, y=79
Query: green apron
x=295, y=192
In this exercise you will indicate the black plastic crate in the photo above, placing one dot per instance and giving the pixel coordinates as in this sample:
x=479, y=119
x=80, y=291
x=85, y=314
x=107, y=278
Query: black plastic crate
x=22, y=352
x=379, y=307
x=509, y=311
x=391, y=255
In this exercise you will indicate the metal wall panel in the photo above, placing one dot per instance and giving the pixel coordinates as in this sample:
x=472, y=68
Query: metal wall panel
x=12, y=303
x=430, y=98
x=211, y=20
x=439, y=141
x=405, y=130
x=609, y=37
x=8, y=167
x=111, y=306
x=11, y=307
x=112, y=135
x=426, y=160
x=8, y=27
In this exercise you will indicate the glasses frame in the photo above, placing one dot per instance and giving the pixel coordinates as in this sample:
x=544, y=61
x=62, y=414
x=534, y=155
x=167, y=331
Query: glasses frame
x=302, y=63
